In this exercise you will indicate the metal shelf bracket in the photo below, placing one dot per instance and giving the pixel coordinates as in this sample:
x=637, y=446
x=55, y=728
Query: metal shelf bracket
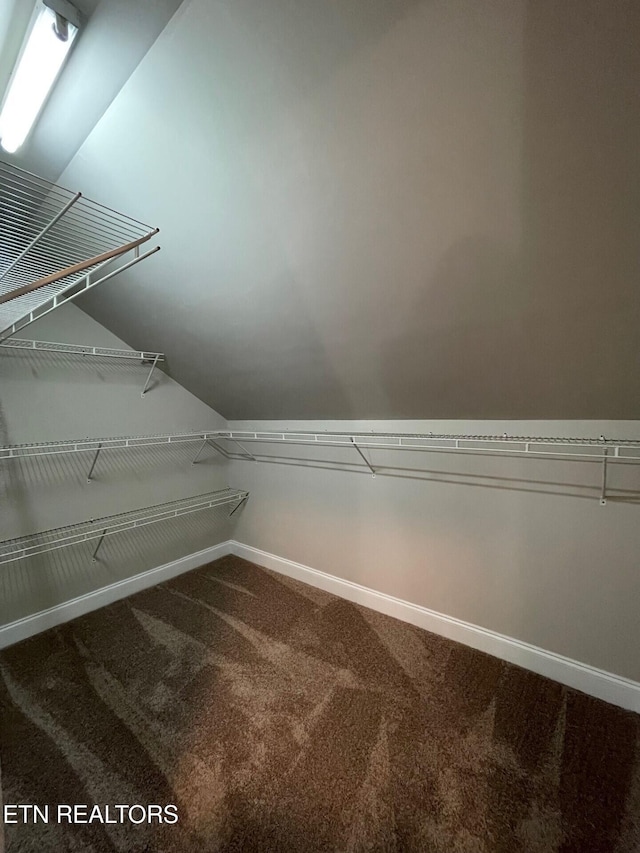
x=603, y=491
x=153, y=366
x=94, y=556
x=93, y=464
x=238, y=505
x=364, y=458
x=200, y=449
x=75, y=534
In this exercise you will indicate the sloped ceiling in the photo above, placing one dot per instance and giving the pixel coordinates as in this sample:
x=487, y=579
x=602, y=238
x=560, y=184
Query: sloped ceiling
x=383, y=208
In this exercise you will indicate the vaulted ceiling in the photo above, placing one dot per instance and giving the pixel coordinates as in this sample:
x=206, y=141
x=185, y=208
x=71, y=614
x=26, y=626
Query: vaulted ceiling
x=383, y=208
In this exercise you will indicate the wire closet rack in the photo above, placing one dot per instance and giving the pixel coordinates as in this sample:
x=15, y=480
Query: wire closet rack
x=53, y=348
x=64, y=537
x=231, y=445
x=601, y=450
x=98, y=445
x=55, y=244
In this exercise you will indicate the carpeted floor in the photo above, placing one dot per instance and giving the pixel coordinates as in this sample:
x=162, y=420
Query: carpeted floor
x=280, y=718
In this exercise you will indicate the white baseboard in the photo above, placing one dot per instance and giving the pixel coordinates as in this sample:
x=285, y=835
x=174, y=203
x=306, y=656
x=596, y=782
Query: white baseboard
x=596, y=682
x=21, y=629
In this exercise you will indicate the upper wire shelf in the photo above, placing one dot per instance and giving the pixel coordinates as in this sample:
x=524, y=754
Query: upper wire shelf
x=600, y=449
x=51, y=242
x=63, y=537
x=53, y=448
x=581, y=448
x=143, y=356
x=587, y=448
x=81, y=349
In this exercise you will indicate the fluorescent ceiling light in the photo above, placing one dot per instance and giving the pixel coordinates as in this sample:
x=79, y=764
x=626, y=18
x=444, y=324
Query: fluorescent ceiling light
x=45, y=48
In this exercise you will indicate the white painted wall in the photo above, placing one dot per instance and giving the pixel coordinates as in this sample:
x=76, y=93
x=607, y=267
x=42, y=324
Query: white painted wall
x=49, y=397
x=518, y=546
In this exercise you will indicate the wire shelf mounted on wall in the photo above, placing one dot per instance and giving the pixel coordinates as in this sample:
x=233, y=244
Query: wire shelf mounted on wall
x=55, y=244
x=602, y=450
x=98, y=445
x=51, y=347
x=74, y=534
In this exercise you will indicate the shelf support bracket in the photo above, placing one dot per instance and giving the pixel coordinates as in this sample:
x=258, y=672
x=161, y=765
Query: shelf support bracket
x=202, y=447
x=94, y=558
x=146, y=384
x=244, y=449
x=93, y=464
x=364, y=458
x=603, y=492
x=218, y=449
x=238, y=505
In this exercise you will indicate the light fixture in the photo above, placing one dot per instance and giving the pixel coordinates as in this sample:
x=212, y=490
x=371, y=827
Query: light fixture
x=52, y=30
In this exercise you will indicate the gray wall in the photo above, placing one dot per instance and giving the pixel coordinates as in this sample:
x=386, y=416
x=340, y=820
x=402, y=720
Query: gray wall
x=518, y=546
x=50, y=397
x=384, y=208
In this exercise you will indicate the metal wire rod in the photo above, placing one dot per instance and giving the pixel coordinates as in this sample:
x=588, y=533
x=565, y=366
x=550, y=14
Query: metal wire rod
x=63, y=537
x=93, y=464
x=84, y=445
x=23, y=224
x=20, y=313
x=27, y=179
x=59, y=243
x=221, y=450
x=280, y=435
x=63, y=237
x=76, y=349
x=236, y=508
x=94, y=556
x=82, y=223
x=146, y=384
x=244, y=450
x=51, y=239
x=603, y=492
x=80, y=267
x=81, y=349
x=42, y=233
x=364, y=458
x=200, y=449
x=615, y=450
x=19, y=320
x=623, y=449
x=16, y=198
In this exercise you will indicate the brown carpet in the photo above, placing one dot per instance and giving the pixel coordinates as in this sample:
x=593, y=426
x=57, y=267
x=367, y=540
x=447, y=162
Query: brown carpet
x=280, y=718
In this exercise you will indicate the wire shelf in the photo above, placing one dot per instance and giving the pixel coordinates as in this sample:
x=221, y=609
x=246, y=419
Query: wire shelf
x=581, y=448
x=52, y=448
x=81, y=349
x=48, y=347
x=586, y=448
x=63, y=537
x=602, y=450
x=53, y=239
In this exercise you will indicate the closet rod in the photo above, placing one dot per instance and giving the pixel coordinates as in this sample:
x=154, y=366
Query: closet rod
x=75, y=268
